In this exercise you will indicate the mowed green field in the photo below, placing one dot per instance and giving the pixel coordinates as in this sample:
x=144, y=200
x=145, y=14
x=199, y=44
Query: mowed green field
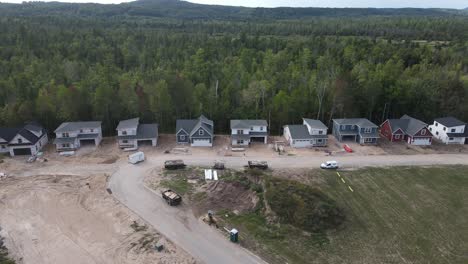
x=394, y=215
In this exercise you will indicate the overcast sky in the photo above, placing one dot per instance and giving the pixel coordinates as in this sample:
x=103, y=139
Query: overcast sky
x=310, y=3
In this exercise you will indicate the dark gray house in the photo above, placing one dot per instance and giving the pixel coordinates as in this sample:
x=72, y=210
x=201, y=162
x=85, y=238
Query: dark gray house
x=196, y=132
x=359, y=130
x=26, y=140
x=244, y=132
x=130, y=132
x=312, y=133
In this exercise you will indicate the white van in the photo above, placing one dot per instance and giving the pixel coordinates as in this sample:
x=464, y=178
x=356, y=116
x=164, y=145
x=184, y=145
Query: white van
x=136, y=157
x=329, y=165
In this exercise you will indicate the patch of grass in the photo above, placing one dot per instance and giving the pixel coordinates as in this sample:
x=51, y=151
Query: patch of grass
x=395, y=215
x=4, y=259
x=177, y=184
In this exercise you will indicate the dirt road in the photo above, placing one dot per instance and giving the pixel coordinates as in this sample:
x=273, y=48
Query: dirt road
x=198, y=239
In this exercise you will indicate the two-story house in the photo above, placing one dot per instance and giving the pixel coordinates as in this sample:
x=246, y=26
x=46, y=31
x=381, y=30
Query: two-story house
x=71, y=135
x=196, y=132
x=408, y=129
x=312, y=133
x=244, y=132
x=359, y=130
x=130, y=133
x=450, y=130
x=26, y=140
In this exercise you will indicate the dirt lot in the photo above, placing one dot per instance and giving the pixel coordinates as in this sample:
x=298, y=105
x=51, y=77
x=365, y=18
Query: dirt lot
x=71, y=219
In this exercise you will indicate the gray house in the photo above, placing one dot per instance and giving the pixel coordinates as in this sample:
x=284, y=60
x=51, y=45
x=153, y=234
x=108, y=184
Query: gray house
x=244, y=132
x=312, y=133
x=130, y=132
x=360, y=130
x=196, y=132
x=71, y=135
x=26, y=140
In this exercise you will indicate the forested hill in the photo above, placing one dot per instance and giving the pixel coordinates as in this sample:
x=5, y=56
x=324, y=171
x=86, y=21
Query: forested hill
x=64, y=62
x=186, y=10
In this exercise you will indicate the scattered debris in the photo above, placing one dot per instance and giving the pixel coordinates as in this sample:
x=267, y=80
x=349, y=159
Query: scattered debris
x=67, y=153
x=130, y=149
x=31, y=159
x=159, y=246
x=237, y=149
x=211, y=175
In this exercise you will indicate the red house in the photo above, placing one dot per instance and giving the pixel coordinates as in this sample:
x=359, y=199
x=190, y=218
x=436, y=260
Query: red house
x=408, y=129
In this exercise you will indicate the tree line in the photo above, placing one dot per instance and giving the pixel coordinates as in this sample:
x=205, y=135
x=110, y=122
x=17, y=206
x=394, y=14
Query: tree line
x=55, y=69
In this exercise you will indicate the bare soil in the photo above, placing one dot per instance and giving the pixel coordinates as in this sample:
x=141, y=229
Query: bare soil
x=220, y=195
x=71, y=219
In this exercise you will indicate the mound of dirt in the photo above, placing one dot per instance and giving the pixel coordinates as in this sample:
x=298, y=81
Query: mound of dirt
x=220, y=195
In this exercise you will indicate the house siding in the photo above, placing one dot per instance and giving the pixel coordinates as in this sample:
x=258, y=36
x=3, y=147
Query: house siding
x=182, y=137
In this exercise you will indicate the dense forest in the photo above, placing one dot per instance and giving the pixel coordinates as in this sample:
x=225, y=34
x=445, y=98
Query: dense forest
x=65, y=65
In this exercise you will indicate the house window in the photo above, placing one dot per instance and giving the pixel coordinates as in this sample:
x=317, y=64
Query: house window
x=450, y=139
x=343, y=127
x=66, y=145
x=182, y=137
x=397, y=136
x=201, y=132
x=3, y=147
x=261, y=128
x=436, y=124
x=92, y=130
x=320, y=132
x=65, y=135
x=367, y=130
x=251, y=128
x=319, y=140
x=81, y=130
x=437, y=133
x=124, y=132
x=20, y=141
x=368, y=140
x=453, y=130
x=430, y=128
x=240, y=132
x=445, y=128
x=423, y=132
x=124, y=141
x=240, y=141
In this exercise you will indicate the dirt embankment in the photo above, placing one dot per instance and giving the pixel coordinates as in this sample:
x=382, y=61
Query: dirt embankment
x=69, y=219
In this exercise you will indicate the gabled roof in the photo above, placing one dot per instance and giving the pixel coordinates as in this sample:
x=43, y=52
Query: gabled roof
x=299, y=132
x=414, y=125
x=129, y=123
x=313, y=123
x=449, y=121
x=191, y=125
x=247, y=123
x=8, y=133
x=361, y=122
x=147, y=131
x=407, y=124
x=26, y=132
x=74, y=126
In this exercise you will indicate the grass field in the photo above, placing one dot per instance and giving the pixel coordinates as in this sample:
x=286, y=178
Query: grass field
x=395, y=215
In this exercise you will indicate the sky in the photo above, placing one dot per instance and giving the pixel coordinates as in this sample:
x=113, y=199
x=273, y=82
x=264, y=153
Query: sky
x=307, y=3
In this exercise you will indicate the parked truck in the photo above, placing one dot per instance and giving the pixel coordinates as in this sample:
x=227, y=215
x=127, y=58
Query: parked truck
x=171, y=197
x=174, y=164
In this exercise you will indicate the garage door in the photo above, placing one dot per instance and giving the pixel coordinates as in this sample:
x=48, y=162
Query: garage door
x=24, y=151
x=301, y=143
x=201, y=143
x=422, y=141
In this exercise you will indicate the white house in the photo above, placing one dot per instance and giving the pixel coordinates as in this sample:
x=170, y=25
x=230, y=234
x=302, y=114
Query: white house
x=449, y=130
x=244, y=132
x=26, y=140
x=312, y=133
x=71, y=135
x=130, y=133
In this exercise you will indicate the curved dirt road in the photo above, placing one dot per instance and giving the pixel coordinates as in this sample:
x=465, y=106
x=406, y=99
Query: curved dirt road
x=178, y=224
